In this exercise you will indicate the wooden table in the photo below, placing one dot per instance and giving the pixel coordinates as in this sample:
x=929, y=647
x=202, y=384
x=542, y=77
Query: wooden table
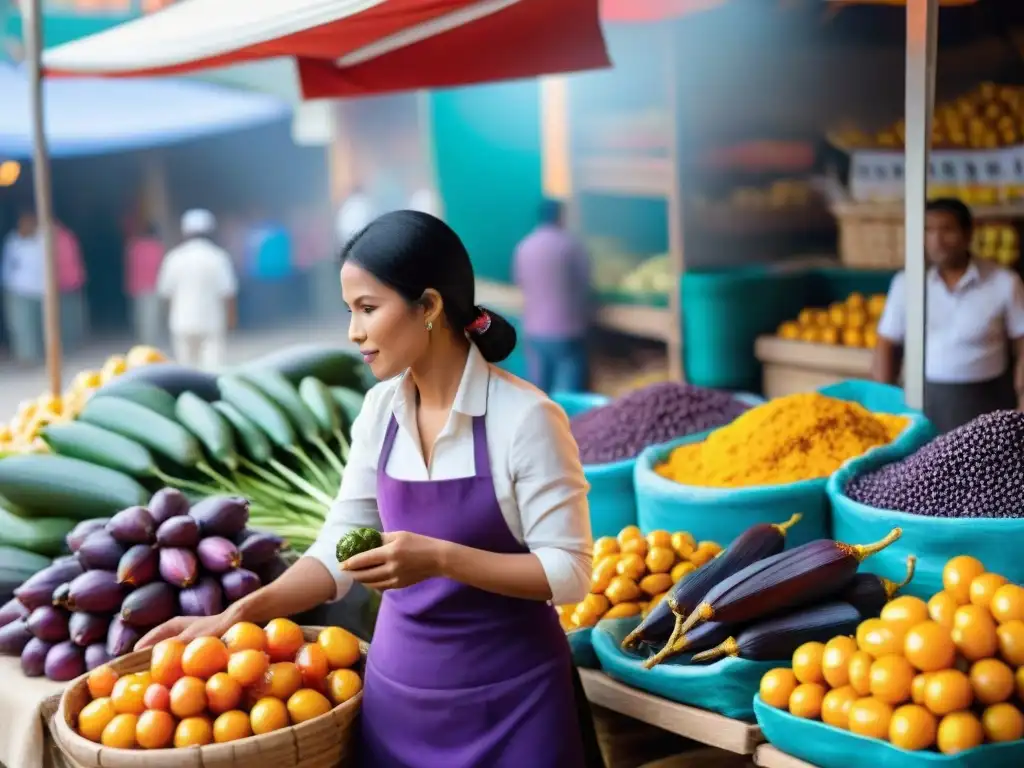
x=769, y=757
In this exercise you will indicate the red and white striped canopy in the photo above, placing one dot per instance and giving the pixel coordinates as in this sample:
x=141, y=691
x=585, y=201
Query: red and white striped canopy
x=351, y=47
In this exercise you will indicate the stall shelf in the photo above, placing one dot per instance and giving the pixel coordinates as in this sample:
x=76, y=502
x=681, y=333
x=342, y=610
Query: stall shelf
x=702, y=726
x=798, y=366
x=768, y=756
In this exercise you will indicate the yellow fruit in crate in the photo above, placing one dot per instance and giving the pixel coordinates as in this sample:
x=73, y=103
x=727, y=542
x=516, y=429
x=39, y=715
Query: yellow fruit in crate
x=622, y=590
x=891, y=679
x=984, y=587
x=806, y=700
x=595, y=603
x=917, y=688
x=628, y=533
x=622, y=611
x=880, y=638
x=660, y=559
x=682, y=569
x=602, y=574
x=1011, y=641
x=835, y=707
x=912, y=727
x=876, y=305
x=855, y=300
x=837, y=314
x=853, y=337
x=142, y=355
x=1002, y=722
x=870, y=717
x=870, y=338
x=807, y=662
x=1007, y=603
x=659, y=539
x=631, y=566
x=789, y=330
x=905, y=610
x=829, y=335
x=958, y=732
x=859, y=672
x=857, y=318
x=957, y=575
x=991, y=680
x=656, y=583
x=701, y=556
x=683, y=543
x=810, y=334
x=948, y=690
x=835, y=660
x=929, y=647
x=974, y=633
x=806, y=317
x=565, y=616
x=606, y=545
x=777, y=685
x=941, y=608
x=635, y=546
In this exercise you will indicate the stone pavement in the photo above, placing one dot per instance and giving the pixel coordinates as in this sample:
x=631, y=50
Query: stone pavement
x=17, y=384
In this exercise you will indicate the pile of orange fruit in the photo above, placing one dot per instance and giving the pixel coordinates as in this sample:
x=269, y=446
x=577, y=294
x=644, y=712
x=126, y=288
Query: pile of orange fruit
x=944, y=675
x=632, y=573
x=249, y=682
x=852, y=322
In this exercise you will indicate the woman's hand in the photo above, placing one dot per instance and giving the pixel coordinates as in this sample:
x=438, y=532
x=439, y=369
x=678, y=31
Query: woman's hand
x=403, y=560
x=187, y=628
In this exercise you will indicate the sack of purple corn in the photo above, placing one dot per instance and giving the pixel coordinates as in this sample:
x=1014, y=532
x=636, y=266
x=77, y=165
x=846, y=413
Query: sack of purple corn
x=611, y=436
x=131, y=572
x=742, y=613
x=962, y=492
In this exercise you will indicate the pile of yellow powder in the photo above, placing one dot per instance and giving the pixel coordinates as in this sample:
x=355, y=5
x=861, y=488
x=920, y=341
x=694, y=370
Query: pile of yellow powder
x=798, y=437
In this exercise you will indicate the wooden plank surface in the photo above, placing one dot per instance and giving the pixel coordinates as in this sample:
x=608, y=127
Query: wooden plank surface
x=769, y=757
x=699, y=725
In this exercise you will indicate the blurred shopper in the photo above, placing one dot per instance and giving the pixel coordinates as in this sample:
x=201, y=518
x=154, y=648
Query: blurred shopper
x=552, y=270
x=74, y=317
x=269, y=293
x=22, y=273
x=425, y=201
x=355, y=213
x=974, y=328
x=143, y=257
x=197, y=279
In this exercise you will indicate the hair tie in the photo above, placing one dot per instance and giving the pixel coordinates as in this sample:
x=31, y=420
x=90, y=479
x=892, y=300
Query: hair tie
x=480, y=325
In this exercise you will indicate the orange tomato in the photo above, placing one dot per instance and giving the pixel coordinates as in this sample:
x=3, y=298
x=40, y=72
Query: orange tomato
x=204, y=657
x=880, y=638
x=157, y=697
x=912, y=727
x=807, y=663
x=94, y=718
x=339, y=646
x=974, y=633
x=1010, y=635
x=284, y=638
x=193, y=732
x=929, y=647
x=859, y=672
x=282, y=680
x=991, y=680
x=959, y=731
x=312, y=663
x=154, y=729
x=905, y=610
x=248, y=667
x=835, y=707
x=231, y=726
x=1008, y=603
x=984, y=587
x=165, y=662
x=941, y=608
x=948, y=691
x=1002, y=722
x=128, y=695
x=835, y=661
x=307, y=704
x=188, y=697
x=870, y=717
x=223, y=693
x=268, y=715
x=891, y=679
x=120, y=732
x=806, y=700
x=244, y=636
x=343, y=684
x=776, y=687
x=958, y=574
x=101, y=681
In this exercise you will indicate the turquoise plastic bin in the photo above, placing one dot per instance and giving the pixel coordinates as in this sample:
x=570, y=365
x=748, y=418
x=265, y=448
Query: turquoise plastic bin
x=720, y=514
x=582, y=648
x=726, y=686
x=934, y=540
x=824, y=746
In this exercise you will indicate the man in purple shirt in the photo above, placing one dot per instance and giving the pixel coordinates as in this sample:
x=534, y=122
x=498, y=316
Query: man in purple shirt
x=552, y=270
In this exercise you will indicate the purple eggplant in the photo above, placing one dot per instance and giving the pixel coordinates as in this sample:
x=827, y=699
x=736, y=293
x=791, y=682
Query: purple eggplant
x=49, y=624
x=150, y=605
x=239, y=583
x=221, y=515
x=11, y=611
x=38, y=589
x=132, y=526
x=81, y=531
x=33, y=657
x=96, y=592
x=218, y=555
x=121, y=637
x=95, y=656
x=259, y=549
x=167, y=503
x=100, y=551
x=242, y=535
x=204, y=599
x=60, y=596
x=138, y=567
x=65, y=559
x=178, y=567
x=272, y=570
x=87, y=628
x=64, y=662
x=178, y=532
x=14, y=636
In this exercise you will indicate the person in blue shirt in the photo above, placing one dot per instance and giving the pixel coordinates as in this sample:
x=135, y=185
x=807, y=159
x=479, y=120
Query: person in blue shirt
x=267, y=292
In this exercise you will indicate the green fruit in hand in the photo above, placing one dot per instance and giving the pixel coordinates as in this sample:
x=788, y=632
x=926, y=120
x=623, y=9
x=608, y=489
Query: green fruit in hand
x=359, y=540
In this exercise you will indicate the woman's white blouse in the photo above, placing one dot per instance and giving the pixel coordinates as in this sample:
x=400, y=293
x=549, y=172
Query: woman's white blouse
x=537, y=475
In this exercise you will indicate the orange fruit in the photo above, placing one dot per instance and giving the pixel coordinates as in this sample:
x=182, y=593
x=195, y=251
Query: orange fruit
x=1003, y=722
x=859, y=672
x=991, y=680
x=284, y=638
x=193, y=732
x=223, y=693
x=244, y=636
x=154, y=729
x=917, y=688
x=835, y=707
x=948, y=691
x=905, y=610
x=188, y=697
x=929, y=647
x=807, y=663
x=282, y=680
x=974, y=633
x=157, y=697
x=165, y=663
x=101, y=681
x=312, y=663
x=891, y=679
x=268, y=715
x=248, y=667
x=120, y=732
x=806, y=699
x=94, y=718
x=231, y=726
x=143, y=677
x=343, y=684
x=1011, y=642
x=204, y=657
x=1008, y=603
x=983, y=588
x=957, y=576
x=306, y=704
x=941, y=608
x=340, y=647
x=880, y=638
x=835, y=662
x=776, y=687
x=870, y=717
x=959, y=731
x=128, y=695
x=912, y=727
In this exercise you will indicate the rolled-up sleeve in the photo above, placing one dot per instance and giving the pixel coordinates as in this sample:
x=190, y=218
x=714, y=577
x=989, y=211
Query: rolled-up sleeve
x=892, y=325
x=551, y=493
x=356, y=503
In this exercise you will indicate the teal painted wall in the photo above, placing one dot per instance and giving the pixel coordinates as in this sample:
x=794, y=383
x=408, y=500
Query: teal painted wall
x=487, y=155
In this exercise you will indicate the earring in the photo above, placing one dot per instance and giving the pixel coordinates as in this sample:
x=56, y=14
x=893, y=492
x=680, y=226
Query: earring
x=430, y=327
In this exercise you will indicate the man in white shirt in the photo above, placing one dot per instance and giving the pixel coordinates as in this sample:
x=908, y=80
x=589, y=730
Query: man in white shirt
x=22, y=273
x=974, y=341
x=199, y=282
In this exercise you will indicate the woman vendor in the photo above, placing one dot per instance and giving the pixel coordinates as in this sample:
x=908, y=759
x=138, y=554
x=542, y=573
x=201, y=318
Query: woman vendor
x=476, y=482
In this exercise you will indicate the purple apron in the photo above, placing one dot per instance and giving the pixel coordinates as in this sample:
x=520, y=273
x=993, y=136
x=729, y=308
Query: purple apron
x=458, y=677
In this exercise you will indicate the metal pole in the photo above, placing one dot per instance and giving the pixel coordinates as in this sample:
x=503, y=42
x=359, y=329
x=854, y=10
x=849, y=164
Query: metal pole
x=33, y=26
x=922, y=44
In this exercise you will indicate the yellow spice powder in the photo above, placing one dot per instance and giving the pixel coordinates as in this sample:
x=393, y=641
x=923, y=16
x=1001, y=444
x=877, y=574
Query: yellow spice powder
x=798, y=437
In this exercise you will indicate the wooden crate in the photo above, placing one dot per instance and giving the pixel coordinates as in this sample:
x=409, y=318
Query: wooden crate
x=799, y=366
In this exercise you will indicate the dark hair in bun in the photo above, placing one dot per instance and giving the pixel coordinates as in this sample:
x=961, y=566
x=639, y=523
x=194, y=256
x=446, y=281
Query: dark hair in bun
x=411, y=251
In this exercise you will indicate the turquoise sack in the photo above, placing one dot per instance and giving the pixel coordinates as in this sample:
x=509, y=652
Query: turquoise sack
x=827, y=747
x=722, y=514
x=726, y=686
x=934, y=540
x=582, y=648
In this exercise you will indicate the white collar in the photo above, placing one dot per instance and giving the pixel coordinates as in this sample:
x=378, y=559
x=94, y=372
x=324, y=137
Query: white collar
x=470, y=398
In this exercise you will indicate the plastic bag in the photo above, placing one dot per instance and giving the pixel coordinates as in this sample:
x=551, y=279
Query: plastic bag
x=726, y=686
x=827, y=747
x=934, y=540
x=722, y=514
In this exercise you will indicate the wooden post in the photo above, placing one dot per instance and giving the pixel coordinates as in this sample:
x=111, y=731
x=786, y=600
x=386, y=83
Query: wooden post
x=676, y=359
x=33, y=25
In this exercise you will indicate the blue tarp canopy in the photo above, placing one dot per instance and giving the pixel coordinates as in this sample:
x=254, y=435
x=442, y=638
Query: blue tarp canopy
x=92, y=116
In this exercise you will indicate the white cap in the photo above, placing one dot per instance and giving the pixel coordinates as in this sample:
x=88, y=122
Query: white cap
x=196, y=222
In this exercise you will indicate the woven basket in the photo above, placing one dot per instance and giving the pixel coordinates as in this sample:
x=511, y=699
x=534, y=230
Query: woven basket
x=324, y=742
x=871, y=236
